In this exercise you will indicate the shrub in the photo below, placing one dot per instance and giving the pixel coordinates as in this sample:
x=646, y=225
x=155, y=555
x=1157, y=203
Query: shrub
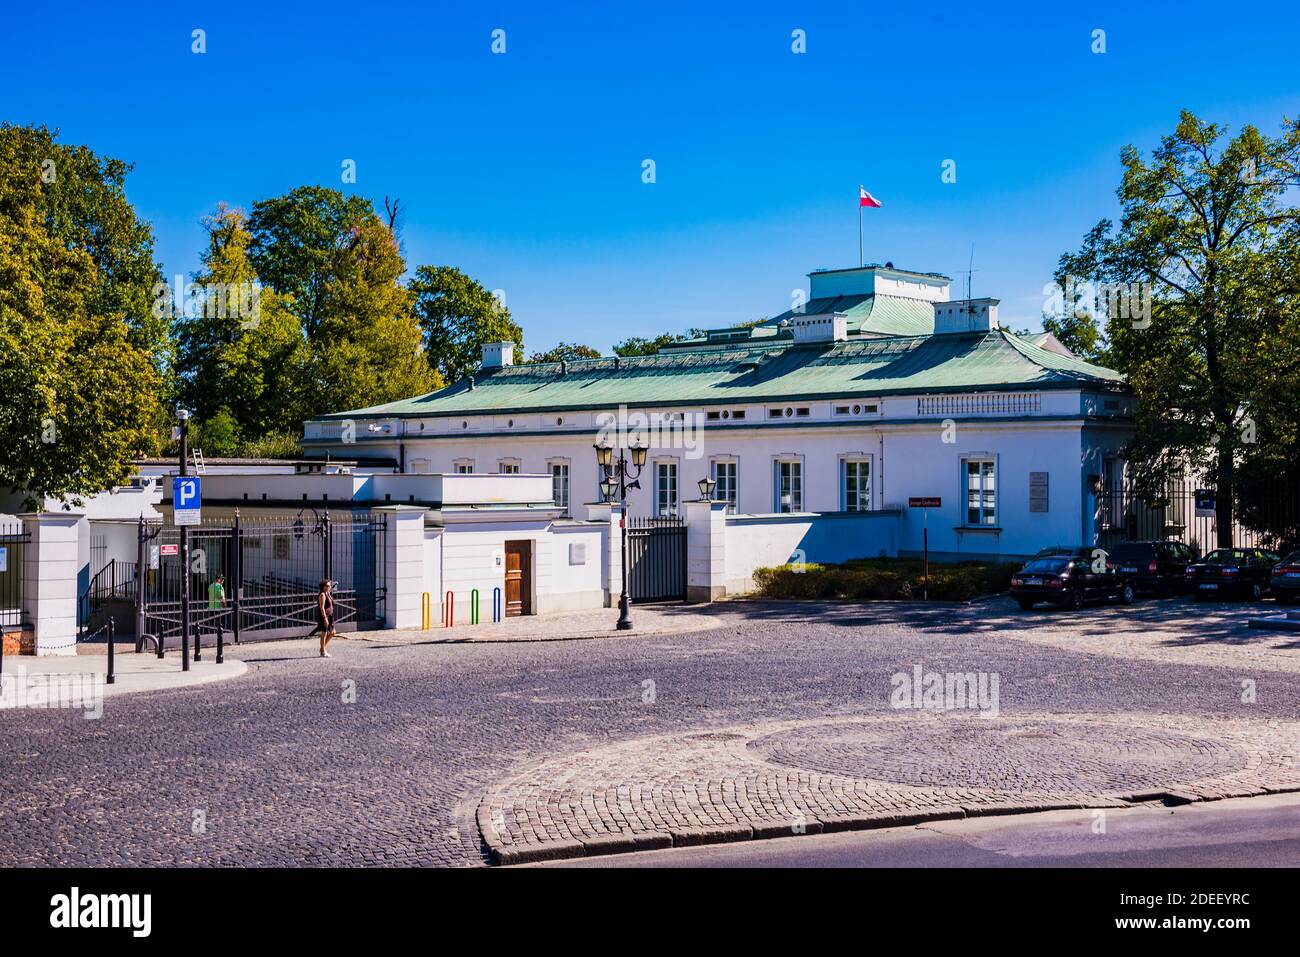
x=884, y=579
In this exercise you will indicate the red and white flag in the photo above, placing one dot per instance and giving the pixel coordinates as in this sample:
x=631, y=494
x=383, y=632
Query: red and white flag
x=866, y=199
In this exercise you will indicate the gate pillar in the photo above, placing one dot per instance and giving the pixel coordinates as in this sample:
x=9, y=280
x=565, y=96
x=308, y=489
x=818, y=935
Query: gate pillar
x=50, y=565
x=611, y=515
x=403, y=562
x=706, y=550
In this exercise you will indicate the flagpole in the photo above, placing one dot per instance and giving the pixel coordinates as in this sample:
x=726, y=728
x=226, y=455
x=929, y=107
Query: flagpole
x=861, y=261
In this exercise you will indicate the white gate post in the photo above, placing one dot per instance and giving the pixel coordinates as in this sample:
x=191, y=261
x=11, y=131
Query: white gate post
x=50, y=579
x=611, y=514
x=706, y=550
x=403, y=561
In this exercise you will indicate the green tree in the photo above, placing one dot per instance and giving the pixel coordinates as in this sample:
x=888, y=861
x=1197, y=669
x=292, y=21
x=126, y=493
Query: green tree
x=565, y=351
x=1207, y=238
x=218, y=435
x=641, y=346
x=79, y=380
x=295, y=242
x=366, y=347
x=239, y=345
x=457, y=316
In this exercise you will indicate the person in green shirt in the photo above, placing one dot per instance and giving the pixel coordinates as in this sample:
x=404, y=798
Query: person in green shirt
x=217, y=594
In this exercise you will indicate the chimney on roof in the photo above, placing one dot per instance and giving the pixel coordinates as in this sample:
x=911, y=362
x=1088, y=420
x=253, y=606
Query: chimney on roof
x=498, y=354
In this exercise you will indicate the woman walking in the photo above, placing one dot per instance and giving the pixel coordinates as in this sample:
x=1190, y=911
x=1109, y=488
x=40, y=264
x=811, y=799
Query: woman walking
x=324, y=616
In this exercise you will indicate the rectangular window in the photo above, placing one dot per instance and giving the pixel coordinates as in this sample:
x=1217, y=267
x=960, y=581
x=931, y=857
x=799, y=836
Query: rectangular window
x=464, y=468
x=665, y=489
x=560, y=485
x=856, y=485
x=508, y=468
x=724, y=473
x=981, y=492
x=788, y=486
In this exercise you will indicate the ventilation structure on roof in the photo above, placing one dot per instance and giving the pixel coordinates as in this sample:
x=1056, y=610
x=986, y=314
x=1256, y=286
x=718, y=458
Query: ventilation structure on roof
x=825, y=327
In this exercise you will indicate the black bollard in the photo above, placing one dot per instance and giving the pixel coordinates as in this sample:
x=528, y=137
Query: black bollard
x=198, y=643
x=185, y=650
x=221, y=645
x=110, y=651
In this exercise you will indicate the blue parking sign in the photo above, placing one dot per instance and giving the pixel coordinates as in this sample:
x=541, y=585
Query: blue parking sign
x=187, y=499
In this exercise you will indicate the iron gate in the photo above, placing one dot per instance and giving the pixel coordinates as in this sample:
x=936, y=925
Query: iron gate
x=1266, y=515
x=272, y=568
x=656, y=559
x=14, y=538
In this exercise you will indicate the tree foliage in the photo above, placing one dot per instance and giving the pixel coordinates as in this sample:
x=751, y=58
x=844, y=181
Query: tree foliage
x=295, y=239
x=641, y=346
x=1209, y=232
x=565, y=351
x=457, y=317
x=82, y=359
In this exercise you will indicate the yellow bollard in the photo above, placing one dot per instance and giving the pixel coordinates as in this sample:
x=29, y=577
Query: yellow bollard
x=425, y=619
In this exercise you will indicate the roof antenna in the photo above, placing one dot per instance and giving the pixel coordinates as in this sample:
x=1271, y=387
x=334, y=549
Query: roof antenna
x=970, y=272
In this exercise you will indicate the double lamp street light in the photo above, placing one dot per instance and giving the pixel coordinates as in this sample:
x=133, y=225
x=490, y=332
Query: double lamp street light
x=617, y=476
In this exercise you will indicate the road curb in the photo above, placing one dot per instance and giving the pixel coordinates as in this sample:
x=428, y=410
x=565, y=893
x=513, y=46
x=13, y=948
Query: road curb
x=507, y=855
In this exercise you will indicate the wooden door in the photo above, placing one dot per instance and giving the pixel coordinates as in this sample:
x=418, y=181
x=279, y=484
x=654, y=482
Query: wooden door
x=519, y=579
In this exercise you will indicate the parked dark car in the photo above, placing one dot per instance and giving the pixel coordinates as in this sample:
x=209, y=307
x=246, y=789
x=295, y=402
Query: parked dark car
x=1232, y=573
x=1154, y=567
x=1069, y=578
x=1284, y=581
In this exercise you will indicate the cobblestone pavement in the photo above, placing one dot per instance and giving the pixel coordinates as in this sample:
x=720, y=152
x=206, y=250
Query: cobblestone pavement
x=569, y=626
x=385, y=753
x=785, y=779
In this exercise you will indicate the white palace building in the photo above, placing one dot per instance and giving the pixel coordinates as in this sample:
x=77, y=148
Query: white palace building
x=819, y=426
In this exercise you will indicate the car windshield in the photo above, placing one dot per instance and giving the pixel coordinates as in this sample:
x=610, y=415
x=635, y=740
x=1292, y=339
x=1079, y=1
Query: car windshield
x=1227, y=556
x=1292, y=559
x=1131, y=551
x=1046, y=566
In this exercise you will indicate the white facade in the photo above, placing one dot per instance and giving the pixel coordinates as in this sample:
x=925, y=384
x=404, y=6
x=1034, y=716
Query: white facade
x=896, y=447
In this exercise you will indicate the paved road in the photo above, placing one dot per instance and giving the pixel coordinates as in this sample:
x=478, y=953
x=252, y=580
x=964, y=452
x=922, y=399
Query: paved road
x=381, y=754
x=1248, y=832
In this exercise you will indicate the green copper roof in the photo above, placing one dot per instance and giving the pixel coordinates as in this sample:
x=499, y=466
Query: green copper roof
x=776, y=371
x=867, y=315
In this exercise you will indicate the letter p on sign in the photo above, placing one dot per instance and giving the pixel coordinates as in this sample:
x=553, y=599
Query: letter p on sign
x=187, y=499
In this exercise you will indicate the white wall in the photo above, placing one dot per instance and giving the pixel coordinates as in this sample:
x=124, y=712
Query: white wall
x=762, y=541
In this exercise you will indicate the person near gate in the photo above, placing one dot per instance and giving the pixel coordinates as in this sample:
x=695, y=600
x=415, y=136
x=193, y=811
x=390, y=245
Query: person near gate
x=324, y=616
x=217, y=600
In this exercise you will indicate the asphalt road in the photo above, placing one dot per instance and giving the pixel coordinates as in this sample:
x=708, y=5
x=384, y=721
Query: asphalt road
x=1247, y=832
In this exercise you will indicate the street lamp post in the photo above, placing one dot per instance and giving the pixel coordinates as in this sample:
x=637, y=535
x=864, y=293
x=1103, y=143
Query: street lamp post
x=619, y=476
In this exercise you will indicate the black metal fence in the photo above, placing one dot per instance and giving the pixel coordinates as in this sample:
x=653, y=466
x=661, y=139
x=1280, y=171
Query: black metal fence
x=1265, y=515
x=13, y=544
x=114, y=582
x=656, y=559
x=272, y=569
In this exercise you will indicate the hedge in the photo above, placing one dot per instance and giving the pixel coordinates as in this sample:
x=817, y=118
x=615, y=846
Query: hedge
x=884, y=579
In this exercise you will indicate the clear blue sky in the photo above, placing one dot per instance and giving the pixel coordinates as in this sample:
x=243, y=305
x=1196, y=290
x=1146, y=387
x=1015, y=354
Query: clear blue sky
x=524, y=169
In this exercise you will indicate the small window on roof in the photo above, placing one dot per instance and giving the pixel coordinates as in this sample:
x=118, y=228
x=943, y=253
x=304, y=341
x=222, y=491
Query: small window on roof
x=738, y=414
x=712, y=416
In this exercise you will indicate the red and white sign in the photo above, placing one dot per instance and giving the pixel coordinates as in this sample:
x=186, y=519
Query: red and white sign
x=925, y=502
x=169, y=550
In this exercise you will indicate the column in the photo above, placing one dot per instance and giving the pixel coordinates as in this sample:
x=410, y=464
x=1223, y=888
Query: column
x=706, y=550
x=611, y=516
x=403, y=560
x=50, y=566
